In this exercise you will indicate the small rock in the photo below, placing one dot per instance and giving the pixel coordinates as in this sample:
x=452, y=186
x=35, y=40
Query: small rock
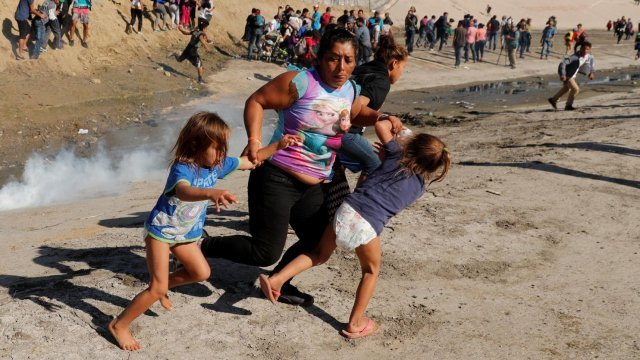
x=130, y=71
x=95, y=81
x=249, y=78
x=166, y=73
x=83, y=131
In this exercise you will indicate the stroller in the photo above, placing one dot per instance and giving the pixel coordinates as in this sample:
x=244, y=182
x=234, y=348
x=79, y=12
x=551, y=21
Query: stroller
x=271, y=51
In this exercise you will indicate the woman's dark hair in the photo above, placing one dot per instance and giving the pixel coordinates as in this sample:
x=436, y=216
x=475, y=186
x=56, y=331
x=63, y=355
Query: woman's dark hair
x=336, y=35
x=388, y=50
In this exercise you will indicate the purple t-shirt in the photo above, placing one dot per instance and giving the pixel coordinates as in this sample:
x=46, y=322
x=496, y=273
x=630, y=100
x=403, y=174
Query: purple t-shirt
x=316, y=117
x=387, y=191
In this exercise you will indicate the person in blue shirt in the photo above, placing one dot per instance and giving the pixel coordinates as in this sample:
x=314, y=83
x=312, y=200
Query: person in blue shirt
x=177, y=220
x=316, y=18
x=409, y=163
x=547, y=41
x=25, y=8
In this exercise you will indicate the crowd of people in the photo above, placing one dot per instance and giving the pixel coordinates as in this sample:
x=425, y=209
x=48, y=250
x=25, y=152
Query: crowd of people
x=293, y=35
x=37, y=21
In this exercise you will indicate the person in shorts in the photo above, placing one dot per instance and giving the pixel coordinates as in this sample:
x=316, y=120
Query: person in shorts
x=198, y=38
x=80, y=14
x=25, y=9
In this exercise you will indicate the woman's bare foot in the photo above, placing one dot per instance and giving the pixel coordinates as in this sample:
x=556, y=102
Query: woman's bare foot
x=123, y=337
x=166, y=302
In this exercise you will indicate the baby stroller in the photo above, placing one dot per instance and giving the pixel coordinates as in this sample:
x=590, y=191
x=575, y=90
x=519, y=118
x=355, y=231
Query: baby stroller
x=270, y=44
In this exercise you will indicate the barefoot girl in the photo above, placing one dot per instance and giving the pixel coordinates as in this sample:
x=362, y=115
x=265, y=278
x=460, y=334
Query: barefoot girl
x=176, y=222
x=358, y=223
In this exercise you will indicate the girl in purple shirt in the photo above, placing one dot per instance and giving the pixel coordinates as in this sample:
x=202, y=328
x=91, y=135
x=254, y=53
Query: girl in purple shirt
x=408, y=164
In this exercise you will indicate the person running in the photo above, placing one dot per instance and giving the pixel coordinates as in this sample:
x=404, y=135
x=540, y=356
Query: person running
x=287, y=189
x=176, y=221
x=198, y=38
x=410, y=165
x=579, y=62
x=441, y=29
x=620, y=27
x=80, y=10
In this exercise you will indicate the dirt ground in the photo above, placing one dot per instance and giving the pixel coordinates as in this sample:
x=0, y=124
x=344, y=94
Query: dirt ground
x=528, y=250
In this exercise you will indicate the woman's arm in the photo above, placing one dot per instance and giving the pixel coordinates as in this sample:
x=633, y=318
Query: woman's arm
x=266, y=152
x=362, y=115
x=278, y=93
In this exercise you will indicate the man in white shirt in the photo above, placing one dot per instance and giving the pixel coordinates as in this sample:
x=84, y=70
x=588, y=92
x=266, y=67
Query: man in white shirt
x=580, y=62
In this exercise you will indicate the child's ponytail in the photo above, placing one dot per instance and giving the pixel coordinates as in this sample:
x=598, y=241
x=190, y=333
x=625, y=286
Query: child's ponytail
x=388, y=50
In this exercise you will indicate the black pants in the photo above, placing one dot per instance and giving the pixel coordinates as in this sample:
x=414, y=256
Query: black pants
x=276, y=200
x=136, y=13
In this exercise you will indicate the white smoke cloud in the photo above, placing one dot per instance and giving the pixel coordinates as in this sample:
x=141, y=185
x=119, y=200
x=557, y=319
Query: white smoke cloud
x=142, y=154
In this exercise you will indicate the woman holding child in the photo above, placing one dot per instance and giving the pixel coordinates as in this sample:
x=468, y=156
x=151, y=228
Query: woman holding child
x=287, y=189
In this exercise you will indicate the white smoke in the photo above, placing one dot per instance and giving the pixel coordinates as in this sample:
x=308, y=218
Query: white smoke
x=68, y=177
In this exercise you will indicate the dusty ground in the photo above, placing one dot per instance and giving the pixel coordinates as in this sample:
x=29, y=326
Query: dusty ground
x=529, y=249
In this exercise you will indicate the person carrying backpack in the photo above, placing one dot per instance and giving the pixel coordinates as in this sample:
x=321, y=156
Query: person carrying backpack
x=255, y=33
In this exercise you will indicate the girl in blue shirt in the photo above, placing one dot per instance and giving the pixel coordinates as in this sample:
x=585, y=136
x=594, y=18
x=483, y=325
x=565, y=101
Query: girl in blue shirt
x=409, y=162
x=175, y=223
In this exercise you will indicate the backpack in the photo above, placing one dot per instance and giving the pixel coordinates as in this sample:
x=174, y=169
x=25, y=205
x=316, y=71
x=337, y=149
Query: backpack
x=258, y=21
x=568, y=36
x=301, y=47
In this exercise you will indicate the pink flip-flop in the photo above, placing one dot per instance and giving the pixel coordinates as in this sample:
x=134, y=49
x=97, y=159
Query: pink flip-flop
x=268, y=292
x=369, y=329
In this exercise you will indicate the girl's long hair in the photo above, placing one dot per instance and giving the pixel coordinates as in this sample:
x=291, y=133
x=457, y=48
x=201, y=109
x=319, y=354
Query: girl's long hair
x=201, y=130
x=423, y=155
x=388, y=50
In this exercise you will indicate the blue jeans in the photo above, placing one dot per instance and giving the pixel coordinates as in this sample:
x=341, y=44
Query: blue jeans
x=480, y=49
x=38, y=28
x=357, y=153
x=467, y=47
x=546, y=48
x=254, y=39
x=493, y=40
x=410, y=35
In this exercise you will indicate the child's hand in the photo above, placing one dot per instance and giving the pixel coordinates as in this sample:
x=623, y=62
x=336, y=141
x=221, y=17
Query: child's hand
x=222, y=197
x=289, y=140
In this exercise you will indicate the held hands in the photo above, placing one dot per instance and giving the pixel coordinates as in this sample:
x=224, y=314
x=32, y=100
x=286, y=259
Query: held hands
x=396, y=124
x=251, y=151
x=288, y=140
x=563, y=78
x=222, y=198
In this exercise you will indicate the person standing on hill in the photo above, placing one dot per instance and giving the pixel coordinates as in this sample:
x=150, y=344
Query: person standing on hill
x=580, y=62
x=493, y=28
x=316, y=18
x=81, y=9
x=410, y=28
x=481, y=39
x=470, y=41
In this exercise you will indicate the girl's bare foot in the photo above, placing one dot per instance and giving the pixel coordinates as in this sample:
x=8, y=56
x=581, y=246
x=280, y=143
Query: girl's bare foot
x=365, y=327
x=123, y=337
x=166, y=302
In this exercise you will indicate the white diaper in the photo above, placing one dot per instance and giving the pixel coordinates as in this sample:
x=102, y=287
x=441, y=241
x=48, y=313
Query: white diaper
x=352, y=230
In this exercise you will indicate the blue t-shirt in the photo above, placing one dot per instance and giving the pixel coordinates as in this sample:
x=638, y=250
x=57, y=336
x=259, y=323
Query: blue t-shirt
x=387, y=191
x=23, y=10
x=316, y=22
x=175, y=221
x=81, y=4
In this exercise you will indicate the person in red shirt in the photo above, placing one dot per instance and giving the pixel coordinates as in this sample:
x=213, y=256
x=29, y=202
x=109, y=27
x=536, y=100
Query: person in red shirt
x=326, y=18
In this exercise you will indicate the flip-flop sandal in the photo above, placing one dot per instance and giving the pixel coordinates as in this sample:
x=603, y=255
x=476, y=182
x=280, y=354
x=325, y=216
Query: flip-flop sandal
x=369, y=329
x=268, y=292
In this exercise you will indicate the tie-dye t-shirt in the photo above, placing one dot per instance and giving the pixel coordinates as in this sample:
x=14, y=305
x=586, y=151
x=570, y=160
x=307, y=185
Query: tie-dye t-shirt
x=320, y=116
x=175, y=221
